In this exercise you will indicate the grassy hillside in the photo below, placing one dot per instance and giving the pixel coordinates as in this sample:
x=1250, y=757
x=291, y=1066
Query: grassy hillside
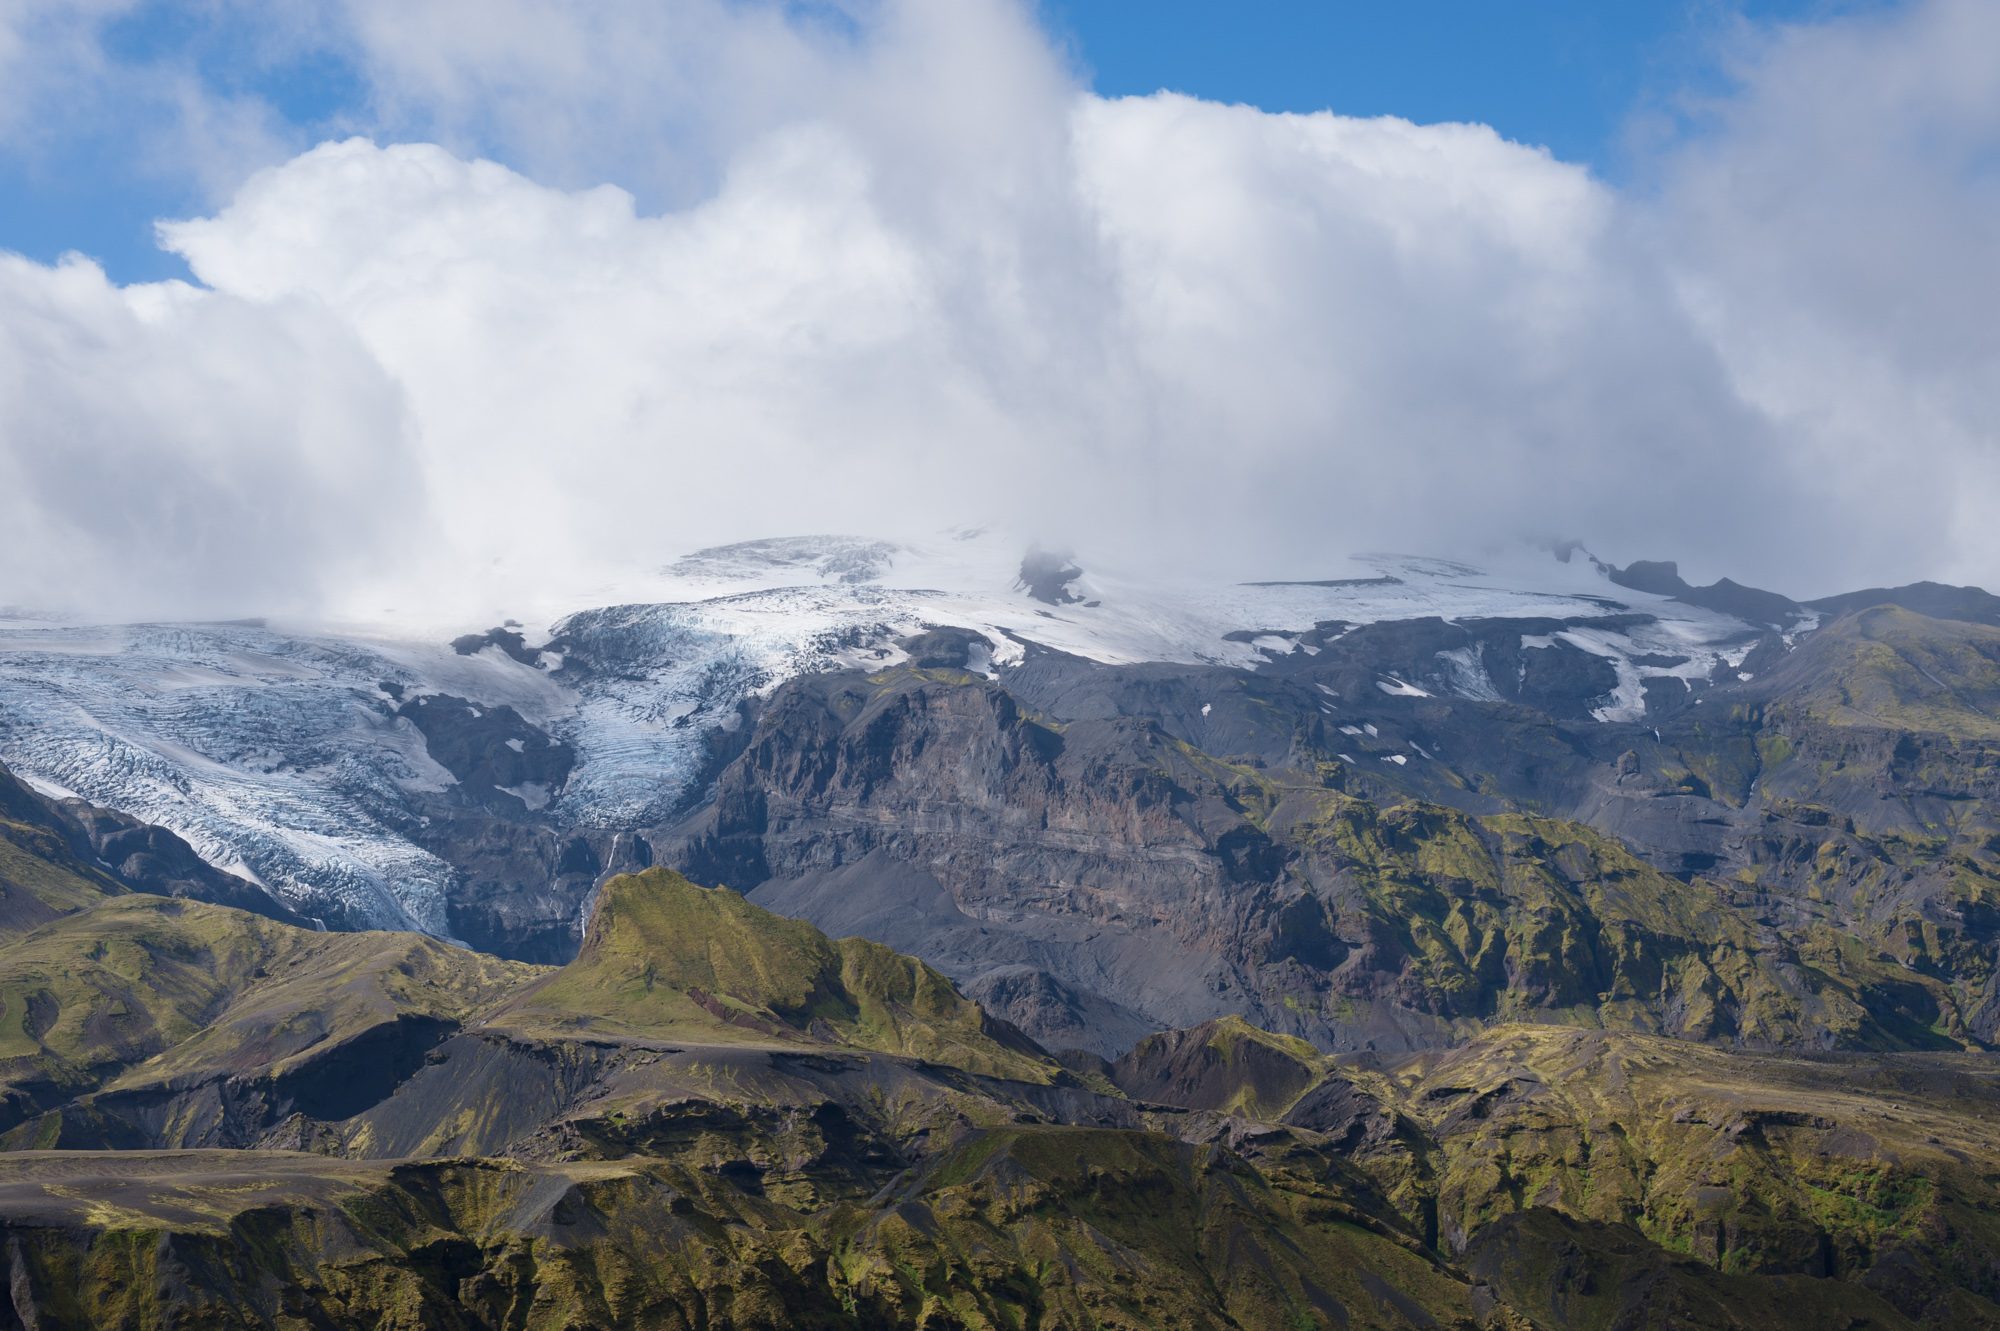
x=1894, y=669
x=41, y=875
x=665, y=959
x=144, y=989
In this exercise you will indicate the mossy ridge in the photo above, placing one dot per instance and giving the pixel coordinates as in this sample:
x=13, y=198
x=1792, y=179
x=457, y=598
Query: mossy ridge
x=1754, y=1163
x=725, y=1231
x=1894, y=669
x=1924, y=909
x=1516, y=916
x=1125, y=1231
x=145, y=990
x=154, y=1021
x=1128, y=1230
x=40, y=877
x=1589, y=1276
x=666, y=959
x=1811, y=1171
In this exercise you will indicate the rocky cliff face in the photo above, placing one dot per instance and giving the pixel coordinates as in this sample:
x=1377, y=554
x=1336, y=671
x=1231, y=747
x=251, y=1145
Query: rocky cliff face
x=1146, y=881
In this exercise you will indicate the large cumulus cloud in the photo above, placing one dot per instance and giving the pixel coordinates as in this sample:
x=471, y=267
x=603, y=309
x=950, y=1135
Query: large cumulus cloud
x=166, y=451
x=1834, y=231
x=890, y=268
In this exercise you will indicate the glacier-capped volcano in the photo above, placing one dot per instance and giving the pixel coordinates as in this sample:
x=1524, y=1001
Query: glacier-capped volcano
x=375, y=781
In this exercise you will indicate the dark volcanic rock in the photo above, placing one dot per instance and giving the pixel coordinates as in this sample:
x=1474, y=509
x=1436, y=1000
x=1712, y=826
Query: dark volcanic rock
x=497, y=756
x=1046, y=576
x=1223, y=1065
x=946, y=648
x=507, y=639
x=1663, y=577
x=1936, y=599
x=1058, y=1016
x=1145, y=875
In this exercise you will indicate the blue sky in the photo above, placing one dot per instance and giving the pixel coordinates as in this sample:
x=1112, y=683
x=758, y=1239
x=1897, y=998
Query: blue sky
x=1571, y=75
x=1585, y=78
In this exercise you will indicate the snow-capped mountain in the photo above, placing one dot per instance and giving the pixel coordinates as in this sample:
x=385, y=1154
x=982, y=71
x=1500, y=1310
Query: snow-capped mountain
x=350, y=771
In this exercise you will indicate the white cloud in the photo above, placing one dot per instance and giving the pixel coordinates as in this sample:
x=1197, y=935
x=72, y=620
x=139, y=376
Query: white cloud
x=1372, y=333
x=893, y=269
x=589, y=385
x=659, y=97
x=1836, y=233
x=167, y=451
x=65, y=94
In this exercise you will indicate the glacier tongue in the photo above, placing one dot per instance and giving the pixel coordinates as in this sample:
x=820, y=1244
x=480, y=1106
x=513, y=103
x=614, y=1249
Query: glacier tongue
x=269, y=753
x=286, y=754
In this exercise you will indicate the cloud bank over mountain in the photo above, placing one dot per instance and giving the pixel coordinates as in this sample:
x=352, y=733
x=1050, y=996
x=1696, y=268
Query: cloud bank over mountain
x=892, y=267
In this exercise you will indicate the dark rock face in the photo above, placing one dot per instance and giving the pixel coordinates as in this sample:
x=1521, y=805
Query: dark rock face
x=495, y=754
x=519, y=881
x=1057, y=1015
x=1521, y=661
x=1046, y=576
x=946, y=648
x=1006, y=837
x=519, y=886
x=1224, y=1065
x=1663, y=577
x=507, y=638
x=1101, y=867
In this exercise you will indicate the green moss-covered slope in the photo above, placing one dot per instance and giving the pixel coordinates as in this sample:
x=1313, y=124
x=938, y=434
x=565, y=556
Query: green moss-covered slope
x=1602, y=1179
x=1894, y=669
x=144, y=989
x=666, y=959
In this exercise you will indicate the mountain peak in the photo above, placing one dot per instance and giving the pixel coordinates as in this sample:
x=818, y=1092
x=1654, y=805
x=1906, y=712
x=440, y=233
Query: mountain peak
x=1662, y=577
x=665, y=958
